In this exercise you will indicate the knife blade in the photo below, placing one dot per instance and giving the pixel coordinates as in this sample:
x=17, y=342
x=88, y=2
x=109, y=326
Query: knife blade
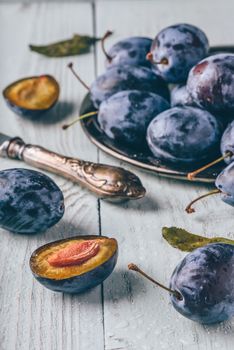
x=106, y=181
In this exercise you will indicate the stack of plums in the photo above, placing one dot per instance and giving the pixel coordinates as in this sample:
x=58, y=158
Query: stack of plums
x=172, y=97
x=166, y=95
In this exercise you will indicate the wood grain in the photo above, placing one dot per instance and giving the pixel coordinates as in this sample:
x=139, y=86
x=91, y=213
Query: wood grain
x=127, y=312
x=138, y=315
x=32, y=317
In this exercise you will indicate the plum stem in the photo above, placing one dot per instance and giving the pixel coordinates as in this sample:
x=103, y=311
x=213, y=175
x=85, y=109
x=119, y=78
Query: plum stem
x=189, y=208
x=105, y=36
x=150, y=58
x=86, y=115
x=70, y=66
x=134, y=267
x=194, y=173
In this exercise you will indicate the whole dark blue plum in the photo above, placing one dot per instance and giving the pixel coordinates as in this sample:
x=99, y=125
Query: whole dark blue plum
x=227, y=143
x=181, y=97
x=225, y=183
x=211, y=83
x=185, y=135
x=131, y=51
x=126, y=77
x=204, y=280
x=30, y=201
x=125, y=116
x=176, y=49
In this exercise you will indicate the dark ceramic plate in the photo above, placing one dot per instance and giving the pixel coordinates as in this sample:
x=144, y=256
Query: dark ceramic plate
x=143, y=160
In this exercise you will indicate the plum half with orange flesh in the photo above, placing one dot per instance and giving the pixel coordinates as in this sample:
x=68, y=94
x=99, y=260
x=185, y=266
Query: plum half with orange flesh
x=32, y=96
x=76, y=264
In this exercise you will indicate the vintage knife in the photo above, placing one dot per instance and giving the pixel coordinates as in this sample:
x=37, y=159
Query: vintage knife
x=106, y=181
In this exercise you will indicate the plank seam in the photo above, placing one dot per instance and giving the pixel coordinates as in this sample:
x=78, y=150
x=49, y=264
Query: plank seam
x=98, y=160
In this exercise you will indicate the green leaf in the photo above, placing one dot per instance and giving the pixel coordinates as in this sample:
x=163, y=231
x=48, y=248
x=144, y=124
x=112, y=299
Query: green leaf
x=186, y=241
x=77, y=45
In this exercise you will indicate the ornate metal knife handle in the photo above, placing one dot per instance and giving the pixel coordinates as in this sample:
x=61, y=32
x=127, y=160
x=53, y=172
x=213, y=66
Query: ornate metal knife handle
x=104, y=180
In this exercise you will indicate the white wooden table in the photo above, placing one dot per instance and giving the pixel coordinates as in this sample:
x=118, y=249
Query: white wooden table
x=126, y=312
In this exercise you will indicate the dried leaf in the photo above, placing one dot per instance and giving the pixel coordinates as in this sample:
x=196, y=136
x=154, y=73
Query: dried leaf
x=186, y=241
x=78, y=45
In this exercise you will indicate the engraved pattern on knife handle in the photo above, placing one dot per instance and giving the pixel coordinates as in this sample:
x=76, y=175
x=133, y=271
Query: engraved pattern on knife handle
x=104, y=180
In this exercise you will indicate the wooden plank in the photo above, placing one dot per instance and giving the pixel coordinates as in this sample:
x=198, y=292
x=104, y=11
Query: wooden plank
x=138, y=315
x=32, y=317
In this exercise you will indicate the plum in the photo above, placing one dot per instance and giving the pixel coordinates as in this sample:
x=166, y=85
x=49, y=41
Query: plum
x=201, y=286
x=204, y=279
x=184, y=135
x=33, y=96
x=131, y=51
x=126, y=77
x=124, y=116
x=227, y=150
x=225, y=187
x=181, y=97
x=75, y=264
x=30, y=201
x=211, y=83
x=227, y=144
x=176, y=49
x=225, y=183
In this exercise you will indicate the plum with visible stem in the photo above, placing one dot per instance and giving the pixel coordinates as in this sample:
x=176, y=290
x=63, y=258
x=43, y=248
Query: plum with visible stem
x=125, y=116
x=225, y=187
x=176, y=49
x=227, y=150
x=225, y=183
x=124, y=77
x=227, y=143
x=131, y=51
x=204, y=278
x=201, y=286
x=184, y=135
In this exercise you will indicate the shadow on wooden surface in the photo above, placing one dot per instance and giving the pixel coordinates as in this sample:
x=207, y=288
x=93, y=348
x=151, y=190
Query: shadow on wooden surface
x=58, y=113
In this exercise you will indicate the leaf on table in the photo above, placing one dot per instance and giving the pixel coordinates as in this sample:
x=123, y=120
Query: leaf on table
x=77, y=45
x=186, y=241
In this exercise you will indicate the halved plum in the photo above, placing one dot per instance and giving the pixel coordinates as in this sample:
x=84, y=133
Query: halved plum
x=76, y=264
x=32, y=96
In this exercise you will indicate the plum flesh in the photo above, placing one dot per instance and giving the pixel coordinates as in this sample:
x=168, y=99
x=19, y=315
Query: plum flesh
x=90, y=269
x=33, y=96
x=205, y=280
x=30, y=201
